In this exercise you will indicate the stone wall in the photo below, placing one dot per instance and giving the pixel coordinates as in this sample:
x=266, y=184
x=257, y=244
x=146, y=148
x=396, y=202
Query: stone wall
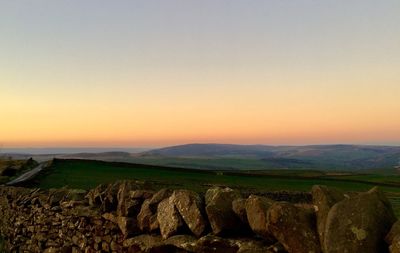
x=128, y=217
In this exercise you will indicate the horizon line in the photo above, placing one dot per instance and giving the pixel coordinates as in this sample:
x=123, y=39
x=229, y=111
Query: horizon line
x=201, y=143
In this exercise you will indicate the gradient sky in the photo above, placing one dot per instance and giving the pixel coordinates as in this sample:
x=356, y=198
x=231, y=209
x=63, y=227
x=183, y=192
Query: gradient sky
x=154, y=73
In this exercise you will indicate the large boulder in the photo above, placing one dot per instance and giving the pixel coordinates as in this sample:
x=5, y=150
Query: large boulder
x=147, y=217
x=190, y=206
x=359, y=224
x=169, y=219
x=256, y=211
x=294, y=228
x=129, y=206
x=323, y=199
x=221, y=216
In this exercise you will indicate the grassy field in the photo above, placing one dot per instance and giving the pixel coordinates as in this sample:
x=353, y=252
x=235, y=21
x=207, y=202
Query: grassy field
x=86, y=174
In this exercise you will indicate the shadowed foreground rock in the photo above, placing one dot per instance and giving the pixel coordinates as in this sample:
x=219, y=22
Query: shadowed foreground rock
x=257, y=210
x=147, y=217
x=294, y=228
x=119, y=217
x=359, y=224
x=323, y=199
x=221, y=216
x=168, y=218
x=190, y=206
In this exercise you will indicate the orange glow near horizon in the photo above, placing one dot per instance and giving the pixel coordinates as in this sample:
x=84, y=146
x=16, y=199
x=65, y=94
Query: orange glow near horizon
x=233, y=117
x=148, y=73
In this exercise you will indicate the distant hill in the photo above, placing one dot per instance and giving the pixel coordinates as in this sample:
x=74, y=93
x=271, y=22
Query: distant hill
x=330, y=157
x=248, y=157
x=97, y=155
x=213, y=150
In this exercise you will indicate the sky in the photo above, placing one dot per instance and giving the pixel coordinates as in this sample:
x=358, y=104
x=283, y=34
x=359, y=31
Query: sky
x=145, y=73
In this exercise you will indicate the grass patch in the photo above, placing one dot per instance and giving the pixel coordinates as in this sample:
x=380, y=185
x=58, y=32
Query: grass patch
x=86, y=174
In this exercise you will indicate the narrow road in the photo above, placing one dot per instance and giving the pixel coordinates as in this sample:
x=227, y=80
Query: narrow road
x=27, y=175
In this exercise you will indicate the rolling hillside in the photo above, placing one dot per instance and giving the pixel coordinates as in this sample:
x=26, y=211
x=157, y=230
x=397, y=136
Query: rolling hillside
x=325, y=157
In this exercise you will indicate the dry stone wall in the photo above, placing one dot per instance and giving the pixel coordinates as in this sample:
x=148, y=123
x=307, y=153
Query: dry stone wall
x=128, y=217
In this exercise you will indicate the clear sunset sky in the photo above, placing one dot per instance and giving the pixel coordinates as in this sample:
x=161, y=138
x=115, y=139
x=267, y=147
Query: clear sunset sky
x=153, y=73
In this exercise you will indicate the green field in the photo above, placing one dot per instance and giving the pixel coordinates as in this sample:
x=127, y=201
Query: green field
x=86, y=174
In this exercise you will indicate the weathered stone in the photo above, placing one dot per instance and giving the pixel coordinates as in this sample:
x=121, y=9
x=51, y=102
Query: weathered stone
x=110, y=217
x=56, y=196
x=221, y=216
x=359, y=224
x=82, y=211
x=276, y=248
x=294, y=228
x=125, y=203
x=256, y=211
x=394, y=231
x=110, y=199
x=128, y=226
x=114, y=246
x=95, y=196
x=211, y=243
x=252, y=245
x=169, y=219
x=190, y=207
x=142, y=243
x=29, y=223
x=141, y=194
x=106, y=196
x=323, y=199
x=239, y=208
x=105, y=246
x=183, y=242
x=158, y=197
x=51, y=250
x=154, y=244
x=147, y=217
x=395, y=244
x=74, y=250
